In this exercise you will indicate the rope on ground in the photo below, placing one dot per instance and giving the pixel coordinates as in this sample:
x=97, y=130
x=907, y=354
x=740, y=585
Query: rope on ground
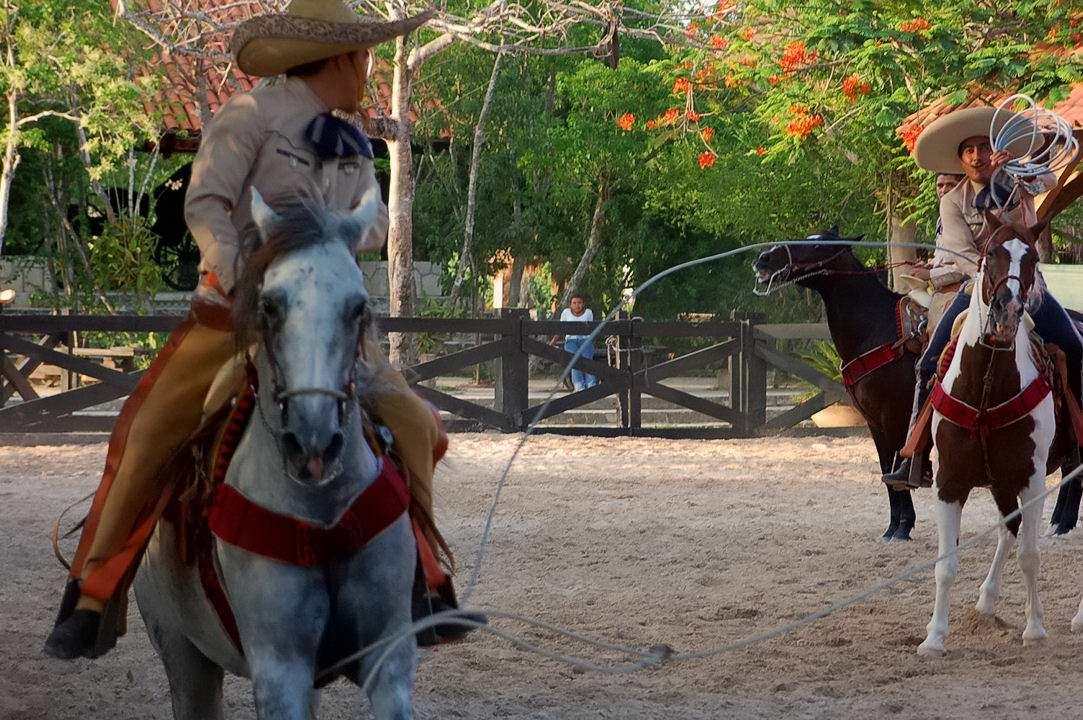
x=475, y=572
x=663, y=653
x=659, y=653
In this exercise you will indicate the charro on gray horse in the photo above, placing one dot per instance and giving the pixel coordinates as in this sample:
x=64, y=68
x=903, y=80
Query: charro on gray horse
x=304, y=457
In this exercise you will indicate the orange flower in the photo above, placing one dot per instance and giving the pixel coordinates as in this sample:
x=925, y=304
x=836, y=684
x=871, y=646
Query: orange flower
x=909, y=135
x=915, y=25
x=707, y=133
x=761, y=150
x=669, y=117
x=773, y=79
x=693, y=26
x=717, y=41
x=794, y=55
x=626, y=122
x=692, y=116
x=650, y=124
x=731, y=82
x=681, y=86
x=748, y=34
x=853, y=86
x=747, y=60
x=706, y=160
x=803, y=126
x=798, y=109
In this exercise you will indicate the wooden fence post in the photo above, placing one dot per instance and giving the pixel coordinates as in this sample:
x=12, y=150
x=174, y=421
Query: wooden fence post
x=630, y=359
x=755, y=379
x=512, y=386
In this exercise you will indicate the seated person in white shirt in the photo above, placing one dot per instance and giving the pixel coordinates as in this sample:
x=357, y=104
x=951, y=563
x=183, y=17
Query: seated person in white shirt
x=579, y=312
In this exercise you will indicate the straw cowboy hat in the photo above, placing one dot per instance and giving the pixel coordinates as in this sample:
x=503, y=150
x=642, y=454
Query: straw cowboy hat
x=308, y=31
x=937, y=147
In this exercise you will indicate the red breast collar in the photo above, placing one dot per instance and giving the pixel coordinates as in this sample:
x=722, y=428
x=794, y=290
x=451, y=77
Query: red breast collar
x=236, y=520
x=878, y=357
x=966, y=416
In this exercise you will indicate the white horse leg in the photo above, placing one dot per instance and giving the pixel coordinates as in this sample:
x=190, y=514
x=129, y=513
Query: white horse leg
x=1029, y=557
x=948, y=518
x=1077, y=621
x=990, y=589
x=392, y=690
x=195, y=683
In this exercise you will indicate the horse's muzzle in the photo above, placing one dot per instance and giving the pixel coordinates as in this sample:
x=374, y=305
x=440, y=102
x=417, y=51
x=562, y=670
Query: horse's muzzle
x=312, y=438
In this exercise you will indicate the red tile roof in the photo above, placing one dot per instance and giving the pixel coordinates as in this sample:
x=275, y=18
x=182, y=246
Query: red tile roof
x=190, y=81
x=1071, y=108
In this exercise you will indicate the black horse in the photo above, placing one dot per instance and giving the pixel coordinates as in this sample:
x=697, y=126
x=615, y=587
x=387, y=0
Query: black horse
x=861, y=315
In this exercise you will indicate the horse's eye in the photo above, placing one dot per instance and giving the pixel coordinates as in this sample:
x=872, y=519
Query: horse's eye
x=270, y=309
x=359, y=311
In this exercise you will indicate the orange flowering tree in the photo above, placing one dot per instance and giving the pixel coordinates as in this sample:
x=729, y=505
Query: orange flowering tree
x=830, y=81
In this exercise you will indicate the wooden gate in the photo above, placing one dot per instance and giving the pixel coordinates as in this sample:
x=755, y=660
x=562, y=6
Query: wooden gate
x=746, y=348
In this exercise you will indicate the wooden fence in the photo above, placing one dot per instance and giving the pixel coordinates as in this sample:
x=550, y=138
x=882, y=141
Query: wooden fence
x=745, y=349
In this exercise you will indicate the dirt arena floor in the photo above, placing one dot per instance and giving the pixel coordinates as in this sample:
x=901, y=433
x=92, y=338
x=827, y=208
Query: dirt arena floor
x=689, y=543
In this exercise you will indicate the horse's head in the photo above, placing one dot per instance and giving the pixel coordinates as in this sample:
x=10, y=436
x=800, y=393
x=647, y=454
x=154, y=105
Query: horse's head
x=1009, y=264
x=795, y=263
x=302, y=299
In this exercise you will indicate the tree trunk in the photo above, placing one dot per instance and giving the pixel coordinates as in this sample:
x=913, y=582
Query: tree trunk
x=465, y=259
x=515, y=282
x=11, y=161
x=400, y=207
x=594, y=243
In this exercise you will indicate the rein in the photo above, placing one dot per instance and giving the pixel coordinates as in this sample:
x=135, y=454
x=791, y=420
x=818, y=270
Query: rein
x=816, y=269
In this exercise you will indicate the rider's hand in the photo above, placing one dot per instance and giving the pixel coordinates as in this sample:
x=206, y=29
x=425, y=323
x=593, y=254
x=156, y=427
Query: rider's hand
x=1001, y=157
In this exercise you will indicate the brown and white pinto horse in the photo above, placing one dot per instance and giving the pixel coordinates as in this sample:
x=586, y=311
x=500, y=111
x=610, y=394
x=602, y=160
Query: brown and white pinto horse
x=995, y=425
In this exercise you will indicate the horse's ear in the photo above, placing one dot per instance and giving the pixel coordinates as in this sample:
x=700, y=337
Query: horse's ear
x=264, y=217
x=354, y=227
x=833, y=230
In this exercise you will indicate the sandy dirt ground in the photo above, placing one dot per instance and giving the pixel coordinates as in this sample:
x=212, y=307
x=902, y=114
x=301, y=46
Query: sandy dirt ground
x=638, y=541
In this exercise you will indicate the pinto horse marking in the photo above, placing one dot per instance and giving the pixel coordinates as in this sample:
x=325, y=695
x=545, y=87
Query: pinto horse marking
x=994, y=362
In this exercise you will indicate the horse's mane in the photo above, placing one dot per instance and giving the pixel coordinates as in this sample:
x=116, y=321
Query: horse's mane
x=301, y=224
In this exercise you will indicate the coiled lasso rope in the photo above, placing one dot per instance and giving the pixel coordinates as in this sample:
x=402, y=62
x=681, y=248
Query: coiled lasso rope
x=1052, y=144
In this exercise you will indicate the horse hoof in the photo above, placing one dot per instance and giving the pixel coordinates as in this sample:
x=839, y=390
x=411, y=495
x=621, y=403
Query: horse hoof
x=889, y=533
x=902, y=534
x=1077, y=623
x=931, y=649
x=1032, y=638
x=1060, y=530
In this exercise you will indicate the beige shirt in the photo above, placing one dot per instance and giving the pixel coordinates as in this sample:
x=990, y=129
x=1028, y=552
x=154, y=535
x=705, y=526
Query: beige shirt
x=961, y=222
x=257, y=139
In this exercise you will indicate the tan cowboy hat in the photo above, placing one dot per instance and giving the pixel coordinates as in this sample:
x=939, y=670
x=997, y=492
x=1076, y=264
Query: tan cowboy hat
x=308, y=31
x=937, y=148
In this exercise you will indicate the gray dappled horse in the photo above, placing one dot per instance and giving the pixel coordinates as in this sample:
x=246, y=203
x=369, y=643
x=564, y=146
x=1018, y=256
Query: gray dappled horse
x=305, y=457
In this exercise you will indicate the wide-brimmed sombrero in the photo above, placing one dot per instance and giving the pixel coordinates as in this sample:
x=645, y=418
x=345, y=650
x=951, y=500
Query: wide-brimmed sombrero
x=308, y=31
x=937, y=147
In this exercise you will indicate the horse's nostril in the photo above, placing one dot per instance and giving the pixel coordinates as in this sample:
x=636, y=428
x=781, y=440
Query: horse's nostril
x=292, y=444
x=334, y=447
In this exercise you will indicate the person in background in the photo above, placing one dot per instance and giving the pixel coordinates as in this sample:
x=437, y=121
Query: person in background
x=579, y=312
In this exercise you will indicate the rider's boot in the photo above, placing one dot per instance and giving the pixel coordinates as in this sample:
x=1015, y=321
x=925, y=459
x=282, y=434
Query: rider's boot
x=911, y=473
x=428, y=602
x=83, y=628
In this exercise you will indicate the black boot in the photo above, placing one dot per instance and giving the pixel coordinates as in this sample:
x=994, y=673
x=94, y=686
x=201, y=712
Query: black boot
x=80, y=633
x=427, y=603
x=906, y=477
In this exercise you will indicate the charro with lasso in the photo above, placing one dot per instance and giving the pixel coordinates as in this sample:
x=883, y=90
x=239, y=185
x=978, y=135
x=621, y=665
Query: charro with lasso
x=962, y=142
x=285, y=141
